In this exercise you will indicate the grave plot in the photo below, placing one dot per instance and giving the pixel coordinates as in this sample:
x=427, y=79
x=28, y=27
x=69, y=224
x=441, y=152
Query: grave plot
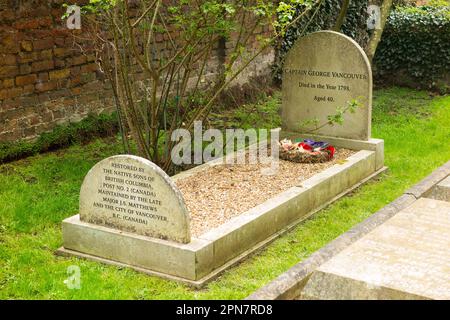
x=194, y=225
x=220, y=193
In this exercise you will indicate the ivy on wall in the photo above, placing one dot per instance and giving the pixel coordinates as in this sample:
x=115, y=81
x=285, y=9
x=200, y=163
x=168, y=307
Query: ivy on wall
x=324, y=15
x=415, y=44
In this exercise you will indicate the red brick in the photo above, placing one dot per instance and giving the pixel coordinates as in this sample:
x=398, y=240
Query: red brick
x=26, y=24
x=78, y=60
x=60, y=63
x=44, y=97
x=43, y=10
x=9, y=43
x=75, y=71
x=8, y=83
x=57, y=12
x=61, y=52
x=42, y=65
x=27, y=101
x=43, y=44
x=45, y=22
x=26, y=46
x=10, y=93
x=63, y=84
x=88, y=77
x=60, y=42
x=43, y=77
x=59, y=74
x=24, y=80
x=25, y=68
x=7, y=16
x=28, y=89
x=58, y=94
x=7, y=59
x=26, y=57
x=76, y=91
x=8, y=71
x=46, y=86
x=89, y=68
x=94, y=86
x=46, y=54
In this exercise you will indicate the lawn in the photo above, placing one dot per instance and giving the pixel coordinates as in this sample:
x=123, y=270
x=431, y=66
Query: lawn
x=37, y=193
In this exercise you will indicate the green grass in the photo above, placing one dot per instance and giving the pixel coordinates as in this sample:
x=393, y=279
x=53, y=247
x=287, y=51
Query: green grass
x=38, y=192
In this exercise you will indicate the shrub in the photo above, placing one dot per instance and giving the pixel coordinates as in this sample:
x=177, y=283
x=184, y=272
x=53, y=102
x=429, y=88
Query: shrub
x=415, y=44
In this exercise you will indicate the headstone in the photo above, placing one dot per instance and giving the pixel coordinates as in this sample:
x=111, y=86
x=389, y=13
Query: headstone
x=324, y=71
x=133, y=194
x=407, y=257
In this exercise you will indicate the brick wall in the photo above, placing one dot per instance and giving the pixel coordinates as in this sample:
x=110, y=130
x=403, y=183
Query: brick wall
x=44, y=79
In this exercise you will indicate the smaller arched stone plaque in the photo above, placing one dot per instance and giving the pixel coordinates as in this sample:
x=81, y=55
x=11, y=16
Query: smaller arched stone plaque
x=133, y=194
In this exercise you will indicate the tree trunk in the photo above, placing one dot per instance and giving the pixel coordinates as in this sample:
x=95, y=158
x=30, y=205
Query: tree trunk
x=342, y=14
x=376, y=36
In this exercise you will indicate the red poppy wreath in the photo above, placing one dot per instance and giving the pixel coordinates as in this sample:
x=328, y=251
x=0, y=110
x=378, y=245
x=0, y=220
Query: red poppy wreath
x=306, y=151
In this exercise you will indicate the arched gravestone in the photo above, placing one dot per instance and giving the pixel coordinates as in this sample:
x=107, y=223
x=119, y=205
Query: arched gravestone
x=322, y=72
x=133, y=194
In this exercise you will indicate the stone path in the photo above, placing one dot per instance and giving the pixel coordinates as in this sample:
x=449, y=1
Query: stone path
x=407, y=257
x=400, y=252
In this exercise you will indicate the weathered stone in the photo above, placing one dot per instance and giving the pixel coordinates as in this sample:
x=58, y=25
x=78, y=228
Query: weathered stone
x=42, y=65
x=26, y=46
x=43, y=44
x=425, y=186
x=135, y=250
x=24, y=80
x=441, y=191
x=407, y=257
x=7, y=59
x=46, y=86
x=324, y=71
x=59, y=74
x=8, y=71
x=133, y=194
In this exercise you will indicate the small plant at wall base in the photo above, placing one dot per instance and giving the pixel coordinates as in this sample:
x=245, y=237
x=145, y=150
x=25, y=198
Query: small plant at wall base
x=159, y=89
x=93, y=126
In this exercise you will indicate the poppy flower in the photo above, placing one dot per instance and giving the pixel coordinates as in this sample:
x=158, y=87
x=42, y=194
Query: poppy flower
x=305, y=146
x=331, y=150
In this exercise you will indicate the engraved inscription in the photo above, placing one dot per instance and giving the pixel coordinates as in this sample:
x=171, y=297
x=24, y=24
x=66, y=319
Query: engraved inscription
x=134, y=195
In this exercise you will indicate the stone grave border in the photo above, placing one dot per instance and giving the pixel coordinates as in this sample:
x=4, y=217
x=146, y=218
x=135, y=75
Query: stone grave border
x=207, y=256
x=289, y=284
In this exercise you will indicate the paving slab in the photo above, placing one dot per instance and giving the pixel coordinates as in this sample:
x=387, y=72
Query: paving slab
x=441, y=191
x=407, y=257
